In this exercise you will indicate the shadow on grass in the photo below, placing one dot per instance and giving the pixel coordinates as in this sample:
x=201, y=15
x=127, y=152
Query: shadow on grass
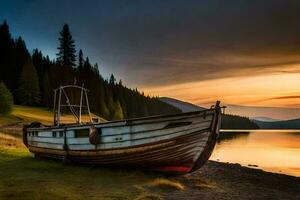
x=24, y=177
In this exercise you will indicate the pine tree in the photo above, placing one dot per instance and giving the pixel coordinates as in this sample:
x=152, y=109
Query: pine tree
x=96, y=69
x=103, y=107
x=109, y=101
x=29, y=90
x=7, y=57
x=87, y=65
x=112, y=79
x=66, y=55
x=118, y=112
x=47, y=95
x=6, y=99
x=80, y=60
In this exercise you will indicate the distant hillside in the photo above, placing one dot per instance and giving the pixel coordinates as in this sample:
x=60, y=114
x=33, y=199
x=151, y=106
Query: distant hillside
x=269, y=112
x=265, y=119
x=288, y=124
x=182, y=105
x=228, y=121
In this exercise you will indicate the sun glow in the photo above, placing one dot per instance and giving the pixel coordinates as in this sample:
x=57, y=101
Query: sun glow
x=278, y=90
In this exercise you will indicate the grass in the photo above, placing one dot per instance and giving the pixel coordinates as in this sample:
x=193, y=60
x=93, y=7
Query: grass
x=26, y=178
x=27, y=114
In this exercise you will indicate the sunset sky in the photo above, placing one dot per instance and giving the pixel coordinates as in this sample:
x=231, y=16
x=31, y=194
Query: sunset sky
x=240, y=52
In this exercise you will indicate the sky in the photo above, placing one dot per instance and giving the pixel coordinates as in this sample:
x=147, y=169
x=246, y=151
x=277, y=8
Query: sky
x=240, y=52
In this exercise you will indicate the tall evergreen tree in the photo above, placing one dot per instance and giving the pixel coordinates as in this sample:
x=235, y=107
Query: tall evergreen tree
x=87, y=65
x=66, y=55
x=47, y=94
x=29, y=90
x=80, y=60
x=112, y=79
x=7, y=58
x=96, y=69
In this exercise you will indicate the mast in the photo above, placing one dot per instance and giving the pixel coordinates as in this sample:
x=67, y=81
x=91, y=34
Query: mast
x=76, y=109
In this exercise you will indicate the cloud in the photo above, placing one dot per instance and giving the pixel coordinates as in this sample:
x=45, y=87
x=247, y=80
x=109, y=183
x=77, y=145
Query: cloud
x=172, y=41
x=184, y=42
x=286, y=97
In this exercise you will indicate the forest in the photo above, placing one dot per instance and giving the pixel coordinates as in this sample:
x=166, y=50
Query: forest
x=32, y=76
x=237, y=122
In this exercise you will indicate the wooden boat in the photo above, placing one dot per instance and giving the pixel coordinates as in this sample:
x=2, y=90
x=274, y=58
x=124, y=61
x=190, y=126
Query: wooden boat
x=178, y=143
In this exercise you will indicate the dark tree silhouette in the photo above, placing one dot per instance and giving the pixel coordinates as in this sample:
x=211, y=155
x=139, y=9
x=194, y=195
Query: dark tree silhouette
x=96, y=69
x=29, y=90
x=112, y=79
x=80, y=60
x=87, y=65
x=237, y=122
x=66, y=55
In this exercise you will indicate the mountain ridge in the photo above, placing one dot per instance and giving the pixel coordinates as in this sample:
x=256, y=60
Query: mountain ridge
x=283, y=124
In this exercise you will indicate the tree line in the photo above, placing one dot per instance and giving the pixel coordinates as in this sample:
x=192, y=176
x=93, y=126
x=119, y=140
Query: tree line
x=237, y=122
x=31, y=78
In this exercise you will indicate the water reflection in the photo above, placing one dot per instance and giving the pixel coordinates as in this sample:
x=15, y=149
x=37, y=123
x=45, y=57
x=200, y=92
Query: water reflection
x=275, y=151
x=224, y=136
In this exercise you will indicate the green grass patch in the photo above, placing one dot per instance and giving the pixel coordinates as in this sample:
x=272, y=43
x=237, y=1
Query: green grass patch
x=23, y=177
x=26, y=178
x=27, y=114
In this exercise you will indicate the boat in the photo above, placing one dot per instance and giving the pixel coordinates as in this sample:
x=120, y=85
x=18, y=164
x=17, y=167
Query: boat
x=177, y=143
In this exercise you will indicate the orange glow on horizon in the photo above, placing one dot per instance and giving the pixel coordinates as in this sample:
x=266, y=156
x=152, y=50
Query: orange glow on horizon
x=273, y=90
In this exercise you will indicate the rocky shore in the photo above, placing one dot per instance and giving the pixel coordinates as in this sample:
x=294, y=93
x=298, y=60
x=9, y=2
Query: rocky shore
x=216, y=180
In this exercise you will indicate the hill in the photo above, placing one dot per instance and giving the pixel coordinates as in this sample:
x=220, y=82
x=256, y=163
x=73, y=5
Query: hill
x=28, y=114
x=228, y=121
x=277, y=113
x=286, y=124
x=265, y=119
x=182, y=105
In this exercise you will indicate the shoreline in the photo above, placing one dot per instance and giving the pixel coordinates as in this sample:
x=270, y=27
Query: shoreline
x=219, y=180
x=215, y=180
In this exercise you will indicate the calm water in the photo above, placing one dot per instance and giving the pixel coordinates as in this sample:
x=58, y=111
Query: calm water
x=273, y=151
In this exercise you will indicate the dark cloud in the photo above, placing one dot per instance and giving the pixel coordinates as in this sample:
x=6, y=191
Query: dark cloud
x=166, y=42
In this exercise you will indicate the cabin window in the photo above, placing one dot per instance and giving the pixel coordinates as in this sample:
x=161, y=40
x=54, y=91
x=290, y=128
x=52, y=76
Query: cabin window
x=54, y=134
x=61, y=133
x=82, y=133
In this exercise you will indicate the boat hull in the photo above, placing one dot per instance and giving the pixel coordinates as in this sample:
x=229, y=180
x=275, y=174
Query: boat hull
x=175, y=144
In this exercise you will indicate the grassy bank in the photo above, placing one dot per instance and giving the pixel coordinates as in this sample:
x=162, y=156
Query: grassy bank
x=26, y=114
x=24, y=177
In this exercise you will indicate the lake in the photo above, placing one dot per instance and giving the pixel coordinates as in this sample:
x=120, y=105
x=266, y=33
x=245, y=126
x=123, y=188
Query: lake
x=271, y=150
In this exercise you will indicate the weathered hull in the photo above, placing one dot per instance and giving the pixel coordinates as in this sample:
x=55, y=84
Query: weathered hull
x=179, y=143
